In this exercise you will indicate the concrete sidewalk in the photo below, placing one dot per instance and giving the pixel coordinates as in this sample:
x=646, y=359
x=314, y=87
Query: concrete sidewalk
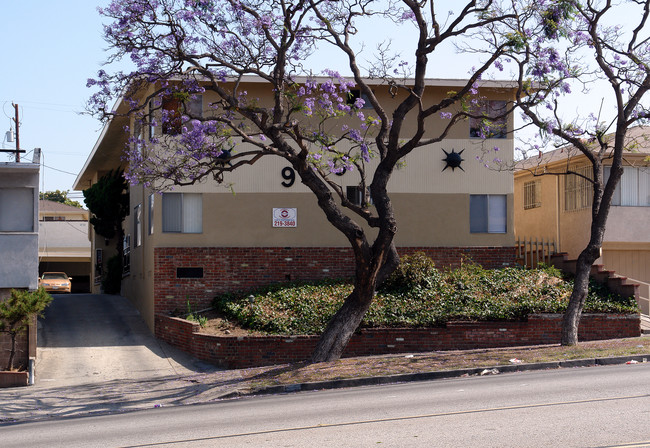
x=41, y=402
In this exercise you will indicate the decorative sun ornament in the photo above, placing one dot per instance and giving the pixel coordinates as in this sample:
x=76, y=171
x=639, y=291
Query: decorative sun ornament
x=453, y=159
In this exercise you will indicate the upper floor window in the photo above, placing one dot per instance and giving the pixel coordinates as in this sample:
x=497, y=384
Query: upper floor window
x=634, y=187
x=173, y=109
x=182, y=212
x=488, y=213
x=532, y=194
x=494, y=123
x=16, y=209
x=356, y=93
x=578, y=189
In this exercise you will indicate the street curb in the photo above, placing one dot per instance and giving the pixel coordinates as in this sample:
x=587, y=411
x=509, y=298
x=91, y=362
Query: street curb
x=437, y=375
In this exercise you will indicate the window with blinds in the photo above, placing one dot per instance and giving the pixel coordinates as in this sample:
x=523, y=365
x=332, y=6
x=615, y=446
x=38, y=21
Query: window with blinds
x=182, y=213
x=578, y=189
x=488, y=213
x=633, y=190
x=532, y=194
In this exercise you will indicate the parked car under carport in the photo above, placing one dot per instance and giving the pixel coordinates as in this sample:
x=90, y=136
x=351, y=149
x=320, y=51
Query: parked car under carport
x=56, y=282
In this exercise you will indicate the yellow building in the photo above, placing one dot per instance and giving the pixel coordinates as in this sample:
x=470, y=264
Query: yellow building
x=194, y=242
x=557, y=207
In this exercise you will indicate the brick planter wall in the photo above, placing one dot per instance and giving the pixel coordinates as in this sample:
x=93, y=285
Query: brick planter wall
x=25, y=347
x=242, y=352
x=240, y=269
x=22, y=350
x=13, y=379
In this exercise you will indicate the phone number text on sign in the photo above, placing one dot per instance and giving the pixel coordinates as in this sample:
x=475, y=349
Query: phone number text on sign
x=285, y=217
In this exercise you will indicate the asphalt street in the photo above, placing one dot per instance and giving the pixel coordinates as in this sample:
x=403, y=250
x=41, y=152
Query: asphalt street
x=594, y=407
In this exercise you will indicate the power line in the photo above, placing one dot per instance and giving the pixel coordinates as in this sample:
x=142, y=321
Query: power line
x=61, y=171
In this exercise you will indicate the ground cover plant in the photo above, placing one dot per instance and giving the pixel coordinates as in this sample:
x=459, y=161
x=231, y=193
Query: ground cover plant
x=418, y=295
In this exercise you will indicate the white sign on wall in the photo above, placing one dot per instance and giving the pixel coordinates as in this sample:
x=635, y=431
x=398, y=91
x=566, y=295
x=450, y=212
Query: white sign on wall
x=285, y=217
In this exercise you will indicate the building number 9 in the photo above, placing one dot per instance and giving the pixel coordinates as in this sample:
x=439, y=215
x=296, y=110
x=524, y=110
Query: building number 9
x=289, y=176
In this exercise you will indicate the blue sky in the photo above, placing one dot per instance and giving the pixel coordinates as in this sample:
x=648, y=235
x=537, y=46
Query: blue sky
x=50, y=48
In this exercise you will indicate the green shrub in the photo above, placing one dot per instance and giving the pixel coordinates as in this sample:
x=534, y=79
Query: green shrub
x=413, y=270
x=297, y=308
x=418, y=296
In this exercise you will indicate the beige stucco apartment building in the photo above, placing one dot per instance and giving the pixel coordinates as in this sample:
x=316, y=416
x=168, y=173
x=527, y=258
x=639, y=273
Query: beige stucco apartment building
x=558, y=207
x=194, y=242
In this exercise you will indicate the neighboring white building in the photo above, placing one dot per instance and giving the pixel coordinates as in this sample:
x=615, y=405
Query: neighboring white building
x=18, y=225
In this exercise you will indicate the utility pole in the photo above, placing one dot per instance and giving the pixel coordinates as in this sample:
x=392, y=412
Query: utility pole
x=17, y=150
x=17, y=135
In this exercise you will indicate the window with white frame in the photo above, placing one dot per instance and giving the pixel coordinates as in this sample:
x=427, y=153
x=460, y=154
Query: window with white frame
x=578, y=189
x=532, y=194
x=493, y=124
x=150, y=213
x=137, y=225
x=16, y=209
x=488, y=213
x=182, y=213
x=633, y=190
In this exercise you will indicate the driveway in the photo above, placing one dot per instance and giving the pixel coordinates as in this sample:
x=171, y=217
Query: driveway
x=92, y=338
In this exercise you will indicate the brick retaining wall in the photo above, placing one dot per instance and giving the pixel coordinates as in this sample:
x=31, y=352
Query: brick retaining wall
x=244, y=268
x=252, y=351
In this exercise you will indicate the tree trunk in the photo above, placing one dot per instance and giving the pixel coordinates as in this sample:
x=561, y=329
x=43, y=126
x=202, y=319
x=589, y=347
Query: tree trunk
x=571, y=319
x=342, y=326
x=12, y=353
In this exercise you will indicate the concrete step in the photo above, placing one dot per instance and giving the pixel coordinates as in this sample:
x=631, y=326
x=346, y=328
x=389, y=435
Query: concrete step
x=645, y=324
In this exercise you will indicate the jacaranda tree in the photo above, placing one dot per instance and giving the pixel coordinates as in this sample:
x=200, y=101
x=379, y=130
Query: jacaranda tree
x=188, y=47
x=602, y=49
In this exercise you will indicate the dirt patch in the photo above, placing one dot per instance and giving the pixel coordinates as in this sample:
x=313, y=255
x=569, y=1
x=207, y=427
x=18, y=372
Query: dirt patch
x=219, y=325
